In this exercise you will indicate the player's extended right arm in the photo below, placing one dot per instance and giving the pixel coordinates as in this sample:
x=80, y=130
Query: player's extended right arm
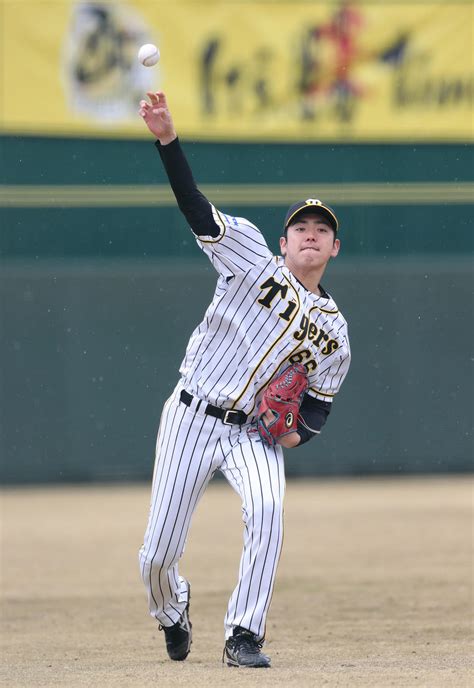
x=192, y=203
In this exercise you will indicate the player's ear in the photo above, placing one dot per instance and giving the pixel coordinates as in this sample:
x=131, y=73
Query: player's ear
x=335, y=248
x=283, y=246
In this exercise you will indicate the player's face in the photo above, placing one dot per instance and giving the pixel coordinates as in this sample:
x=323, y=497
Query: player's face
x=310, y=242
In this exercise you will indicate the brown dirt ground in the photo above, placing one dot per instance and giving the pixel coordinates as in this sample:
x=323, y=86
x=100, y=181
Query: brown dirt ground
x=374, y=587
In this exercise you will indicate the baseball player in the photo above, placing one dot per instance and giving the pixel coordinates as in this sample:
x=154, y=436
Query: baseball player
x=260, y=373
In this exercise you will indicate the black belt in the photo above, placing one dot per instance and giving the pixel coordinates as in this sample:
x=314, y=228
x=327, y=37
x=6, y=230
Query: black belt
x=227, y=416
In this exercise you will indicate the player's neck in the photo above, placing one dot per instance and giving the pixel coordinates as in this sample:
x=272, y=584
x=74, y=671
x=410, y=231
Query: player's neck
x=310, y=279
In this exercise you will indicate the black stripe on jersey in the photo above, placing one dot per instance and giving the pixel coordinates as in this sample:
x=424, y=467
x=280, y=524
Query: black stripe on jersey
x=336, y=373
x=326, y=321
x=203, y=326
x=330, y=363
x=255, y=231
x=255, y=234
x=274, y=343
x=271, y=363
x=215, y=259
x=245, y=371
x=242, y=256
x=331, y=333
x=217, y=315
x=247, y=248
x=327, y=371
x=221, y=288
x=221, y=361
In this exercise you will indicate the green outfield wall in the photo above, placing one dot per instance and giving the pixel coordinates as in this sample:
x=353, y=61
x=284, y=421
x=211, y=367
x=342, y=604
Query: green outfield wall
x=101, y=284
x=93, y=198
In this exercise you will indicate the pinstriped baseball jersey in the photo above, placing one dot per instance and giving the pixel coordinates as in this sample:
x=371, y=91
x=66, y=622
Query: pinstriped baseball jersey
x=261, y=319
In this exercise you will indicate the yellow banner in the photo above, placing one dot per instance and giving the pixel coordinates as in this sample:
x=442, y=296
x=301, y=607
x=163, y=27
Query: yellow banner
x=240, y=69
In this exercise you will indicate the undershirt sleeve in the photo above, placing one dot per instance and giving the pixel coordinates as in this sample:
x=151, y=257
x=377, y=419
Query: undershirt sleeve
x=192, y=203
x=312, y=416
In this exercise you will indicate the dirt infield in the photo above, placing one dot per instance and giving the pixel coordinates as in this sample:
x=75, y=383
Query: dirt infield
x=374, y=587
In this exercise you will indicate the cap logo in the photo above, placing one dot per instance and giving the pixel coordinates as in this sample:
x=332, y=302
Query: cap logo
x=300, y=206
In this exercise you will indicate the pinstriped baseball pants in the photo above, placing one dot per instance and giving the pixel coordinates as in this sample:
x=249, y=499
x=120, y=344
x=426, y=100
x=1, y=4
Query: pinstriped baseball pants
x=191, y=447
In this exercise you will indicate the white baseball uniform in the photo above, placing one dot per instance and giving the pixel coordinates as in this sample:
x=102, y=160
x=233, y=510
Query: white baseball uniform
x=261, y=319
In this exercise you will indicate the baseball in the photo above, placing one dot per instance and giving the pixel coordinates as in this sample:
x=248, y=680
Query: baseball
x=149, y=54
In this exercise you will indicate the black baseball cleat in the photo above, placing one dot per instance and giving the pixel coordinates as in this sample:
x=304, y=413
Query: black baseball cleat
x=179, y=636
x=243, y=649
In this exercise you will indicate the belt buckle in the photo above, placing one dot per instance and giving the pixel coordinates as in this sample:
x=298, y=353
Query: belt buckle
x=226, y=420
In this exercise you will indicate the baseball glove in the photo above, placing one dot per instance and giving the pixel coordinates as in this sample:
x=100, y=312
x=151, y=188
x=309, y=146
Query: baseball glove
x=283, y=398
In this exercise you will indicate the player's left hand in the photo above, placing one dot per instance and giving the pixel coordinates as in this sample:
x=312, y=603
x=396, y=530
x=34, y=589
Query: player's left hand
x=288, y=441
x=277, y=414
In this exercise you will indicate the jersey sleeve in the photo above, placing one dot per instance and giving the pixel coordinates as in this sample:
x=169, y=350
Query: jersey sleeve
x=331, y=372
x=238, y=246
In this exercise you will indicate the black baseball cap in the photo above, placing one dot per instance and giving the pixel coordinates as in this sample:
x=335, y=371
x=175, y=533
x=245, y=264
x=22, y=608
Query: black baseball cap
x=311, y=204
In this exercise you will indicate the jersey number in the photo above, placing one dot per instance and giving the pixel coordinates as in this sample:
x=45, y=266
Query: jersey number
x=305, y=358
